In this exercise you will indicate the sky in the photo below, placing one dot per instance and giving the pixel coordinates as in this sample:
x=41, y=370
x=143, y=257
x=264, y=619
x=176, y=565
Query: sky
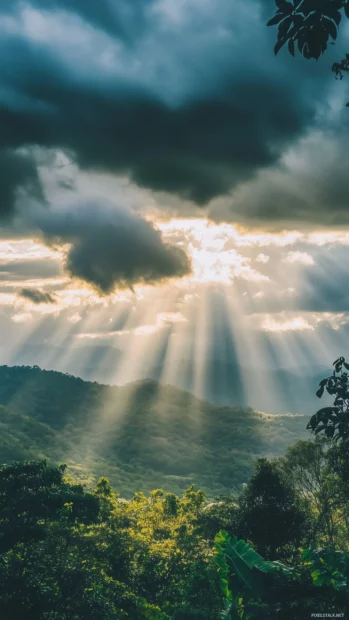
x=169, y=189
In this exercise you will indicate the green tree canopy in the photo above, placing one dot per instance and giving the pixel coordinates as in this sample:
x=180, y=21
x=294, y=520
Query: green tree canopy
x=270, y=511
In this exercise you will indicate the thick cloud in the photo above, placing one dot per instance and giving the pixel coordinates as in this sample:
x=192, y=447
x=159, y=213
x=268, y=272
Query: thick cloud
x=18, y=175
x=37, y=296
x=113, y=17
x=309, y=186
x=110, y=247
x=198, y=151
x=190, y=107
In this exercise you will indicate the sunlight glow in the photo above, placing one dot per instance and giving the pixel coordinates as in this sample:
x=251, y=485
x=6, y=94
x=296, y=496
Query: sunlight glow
x=229, y=315
x=299, y=257
x=26, y=249
x=298, y=323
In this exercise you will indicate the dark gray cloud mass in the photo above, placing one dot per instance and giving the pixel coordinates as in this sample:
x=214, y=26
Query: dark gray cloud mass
x=198, y=151
x=111, y=247
x=117, y=17
x=18, y=174
x=234, y=115
x=312, y=188
x=37, y=296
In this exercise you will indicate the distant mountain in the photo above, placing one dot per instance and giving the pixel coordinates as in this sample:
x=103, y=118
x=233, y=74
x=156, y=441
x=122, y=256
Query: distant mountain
x=89, y=362
x=275, y=391
x=224, y=382
x=143, y=435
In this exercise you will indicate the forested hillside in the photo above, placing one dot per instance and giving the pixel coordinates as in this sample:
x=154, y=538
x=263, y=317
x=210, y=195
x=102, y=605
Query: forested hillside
x=142, y=436
x=227, y=382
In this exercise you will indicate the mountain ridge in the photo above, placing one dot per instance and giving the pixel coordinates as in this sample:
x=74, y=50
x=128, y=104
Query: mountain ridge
x=142, y=435
x=223, y=381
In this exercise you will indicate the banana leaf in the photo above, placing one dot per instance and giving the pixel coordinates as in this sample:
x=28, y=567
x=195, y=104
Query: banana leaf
x=245, y=563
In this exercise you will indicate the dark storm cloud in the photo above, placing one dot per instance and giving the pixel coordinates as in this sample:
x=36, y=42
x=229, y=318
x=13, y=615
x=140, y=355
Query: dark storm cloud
x=18, y=175
x=111, y=248
x=114, y=16
x=198, y=151
x=311, y=187
x=37, y=296
x=232, y=119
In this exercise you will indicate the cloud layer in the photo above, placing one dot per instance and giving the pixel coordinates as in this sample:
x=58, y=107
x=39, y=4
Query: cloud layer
x=19, y=175
x=184, y=98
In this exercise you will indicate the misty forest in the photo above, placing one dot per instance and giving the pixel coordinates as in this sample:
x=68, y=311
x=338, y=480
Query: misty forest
x=173, y=290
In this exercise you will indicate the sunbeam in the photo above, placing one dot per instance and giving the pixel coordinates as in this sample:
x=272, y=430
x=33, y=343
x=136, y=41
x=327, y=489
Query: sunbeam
x=232, y=331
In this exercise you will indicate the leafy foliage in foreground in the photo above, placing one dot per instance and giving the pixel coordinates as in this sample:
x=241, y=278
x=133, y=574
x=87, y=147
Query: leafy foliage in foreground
x=328, y=567
x=253, y=588
x=248, y=566
x=310, y=26
x=66, y=553
x=71, y=554
x=334, y=421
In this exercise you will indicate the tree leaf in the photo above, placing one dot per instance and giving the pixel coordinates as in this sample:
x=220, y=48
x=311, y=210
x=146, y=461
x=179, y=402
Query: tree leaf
x=279, y=44
x=276, y=19
x=284, y=6
x=331, y=28
x=336, y=16
x=247, y=565
x=319, y=429
x=320, y=391
x=329, y=431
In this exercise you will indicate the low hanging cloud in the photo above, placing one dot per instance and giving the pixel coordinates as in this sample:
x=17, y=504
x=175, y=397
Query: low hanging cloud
x=110, y=247
x=37, y=296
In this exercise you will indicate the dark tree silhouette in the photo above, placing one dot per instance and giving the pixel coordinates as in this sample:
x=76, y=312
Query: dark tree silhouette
x=310, y=26
x=334, y=421
x=270, y=512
